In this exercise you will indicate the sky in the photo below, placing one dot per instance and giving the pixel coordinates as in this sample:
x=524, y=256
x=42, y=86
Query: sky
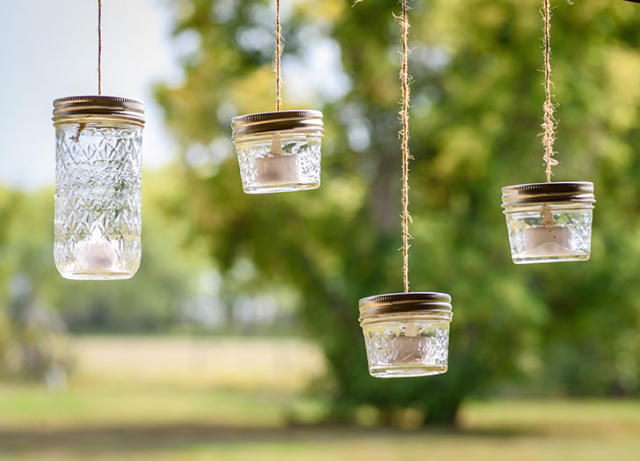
x=48, y=50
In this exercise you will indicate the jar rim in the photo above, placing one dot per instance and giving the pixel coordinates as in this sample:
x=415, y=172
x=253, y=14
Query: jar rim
x=439, y=315
x=409, y=302
x=263, y=122
x=81, y=109
x=546, y=192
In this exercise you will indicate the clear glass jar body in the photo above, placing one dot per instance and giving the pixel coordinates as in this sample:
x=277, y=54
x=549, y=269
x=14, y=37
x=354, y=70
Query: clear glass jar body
x=279, y=161
x=549, y=232
x=98, y=199
x=407, y=344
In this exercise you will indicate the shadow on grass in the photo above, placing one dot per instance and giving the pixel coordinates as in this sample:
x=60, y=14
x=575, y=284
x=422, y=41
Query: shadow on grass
x=132, y=438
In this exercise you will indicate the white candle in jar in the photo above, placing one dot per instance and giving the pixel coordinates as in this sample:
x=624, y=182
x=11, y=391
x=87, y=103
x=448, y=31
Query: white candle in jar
x=95, y=253
x=553, y=240
x=547, y=239
x=277, y=168
x=408, y=348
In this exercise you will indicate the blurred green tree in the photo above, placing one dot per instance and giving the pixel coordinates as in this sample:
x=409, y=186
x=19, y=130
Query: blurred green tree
x=476, y=114
x=7, y=214
x=150, y=302
x=32, y=342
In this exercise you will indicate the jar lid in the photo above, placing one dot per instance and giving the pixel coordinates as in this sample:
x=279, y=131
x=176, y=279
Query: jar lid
x=544, y=192
x=276, y=121
x=80, y=108
x=394, y=303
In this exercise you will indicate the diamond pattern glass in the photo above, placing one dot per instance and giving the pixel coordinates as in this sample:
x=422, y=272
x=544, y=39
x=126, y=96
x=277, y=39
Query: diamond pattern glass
x=407, y=347
x=98, y=200
x=565, y=234
x=283, y=161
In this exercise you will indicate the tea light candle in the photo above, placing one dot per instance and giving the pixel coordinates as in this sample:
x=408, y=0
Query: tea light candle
x=554, y=240
x=409, y=347
x=95, y=252
x=277, y=168
x=547, y=239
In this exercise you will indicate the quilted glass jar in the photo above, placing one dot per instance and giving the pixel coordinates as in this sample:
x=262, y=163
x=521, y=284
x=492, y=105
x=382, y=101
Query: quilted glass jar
x=406, y=334
x=98, y=187
x=279, y=151
x=549, y=222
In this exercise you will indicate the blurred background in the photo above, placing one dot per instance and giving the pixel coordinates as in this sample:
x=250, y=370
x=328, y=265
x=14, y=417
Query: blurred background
x=238, y=338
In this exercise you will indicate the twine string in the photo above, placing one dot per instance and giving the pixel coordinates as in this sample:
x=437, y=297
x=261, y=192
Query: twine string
x=99, y=47
x=548, y=124
x=278, y=55
x=404, y=134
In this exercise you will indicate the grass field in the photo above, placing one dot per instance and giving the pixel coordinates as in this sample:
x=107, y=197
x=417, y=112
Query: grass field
x=178, y=399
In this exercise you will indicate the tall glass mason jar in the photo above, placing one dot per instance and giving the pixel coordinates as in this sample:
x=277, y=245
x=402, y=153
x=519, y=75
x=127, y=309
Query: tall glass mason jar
x=406, y=334
x=549, y=222
x=279, y=151
x=98, y=187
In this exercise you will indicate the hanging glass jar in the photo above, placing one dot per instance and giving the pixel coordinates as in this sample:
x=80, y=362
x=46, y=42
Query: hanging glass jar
x=279, y=151
x=406, y=334
x=549, y=222
x=98, y=187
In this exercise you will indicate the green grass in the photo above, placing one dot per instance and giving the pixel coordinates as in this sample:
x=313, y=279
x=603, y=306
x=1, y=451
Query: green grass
x=89, y=406
x=113, y=410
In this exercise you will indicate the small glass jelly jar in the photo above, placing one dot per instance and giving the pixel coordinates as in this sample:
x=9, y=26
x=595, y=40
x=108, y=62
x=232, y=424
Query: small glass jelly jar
x=406, y=334
x=279, y=151
x=549, y=222
x=98, y=187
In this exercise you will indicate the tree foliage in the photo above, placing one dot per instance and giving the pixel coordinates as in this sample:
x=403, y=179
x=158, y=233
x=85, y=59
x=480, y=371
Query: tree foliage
x=150, y=302
x=476, y=114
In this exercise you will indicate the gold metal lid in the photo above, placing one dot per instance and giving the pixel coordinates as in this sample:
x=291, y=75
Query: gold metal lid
x=544, y=192
x=263, y=122
x=415, y=302
x=81, y=108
